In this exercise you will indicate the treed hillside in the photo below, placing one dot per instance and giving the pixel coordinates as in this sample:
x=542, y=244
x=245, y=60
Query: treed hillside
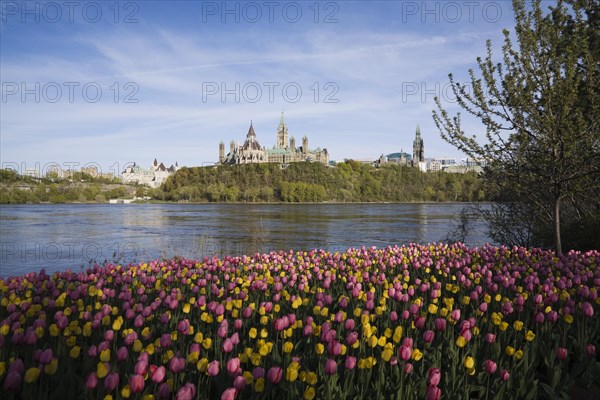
x=314, y=182
x=82, y=188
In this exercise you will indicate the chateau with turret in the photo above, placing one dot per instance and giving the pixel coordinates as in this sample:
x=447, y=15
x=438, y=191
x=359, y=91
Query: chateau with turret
x=284, y=151
x=154, y=176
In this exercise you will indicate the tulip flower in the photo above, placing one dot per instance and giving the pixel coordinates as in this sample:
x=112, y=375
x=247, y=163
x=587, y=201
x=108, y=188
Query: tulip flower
x=233, y=366
x=213, y=368
x=229, y=394
x=159, y=374
x=330, y=367
x=186, y=392
x=91, y=381
x=434, y=376
x=490, y=366
x=433, y=393
x=561, y=353
x=111, y=382
x=274, y=375
x=137, y=383
x=405, y=352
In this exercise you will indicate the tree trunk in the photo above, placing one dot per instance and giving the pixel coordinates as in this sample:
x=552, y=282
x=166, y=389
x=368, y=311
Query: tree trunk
x=557, y=240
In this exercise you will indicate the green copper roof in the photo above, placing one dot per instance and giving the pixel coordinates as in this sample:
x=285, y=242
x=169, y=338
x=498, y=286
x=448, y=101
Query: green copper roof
x=281, y=120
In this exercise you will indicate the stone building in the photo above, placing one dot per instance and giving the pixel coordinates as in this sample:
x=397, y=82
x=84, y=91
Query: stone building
x=154, y=176
x=284, y=151
x=418, y=148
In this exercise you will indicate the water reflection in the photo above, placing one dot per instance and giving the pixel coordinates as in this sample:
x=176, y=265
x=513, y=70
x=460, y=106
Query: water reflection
x=59, y=236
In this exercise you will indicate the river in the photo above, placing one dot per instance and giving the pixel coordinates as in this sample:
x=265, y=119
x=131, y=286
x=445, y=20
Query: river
x=57, y=237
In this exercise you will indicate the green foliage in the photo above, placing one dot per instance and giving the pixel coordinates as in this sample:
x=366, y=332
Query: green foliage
x=17, y=189
x=314, y=182
x=540, y=108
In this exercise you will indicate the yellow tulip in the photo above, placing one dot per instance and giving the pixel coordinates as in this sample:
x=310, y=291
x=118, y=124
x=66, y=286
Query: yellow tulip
x=518, y=325
x=529, y=336
x=126, y=391
x=101, y=370
x=202, y=365
x=105, y=355
x=309, y=393
x=417, y=354
x=32, y=374
x=259, y=385
x=51, y=368
x=319, y=348
x=469, y=362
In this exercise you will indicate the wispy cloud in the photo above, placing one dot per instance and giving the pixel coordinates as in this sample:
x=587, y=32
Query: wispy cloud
x=381, y=83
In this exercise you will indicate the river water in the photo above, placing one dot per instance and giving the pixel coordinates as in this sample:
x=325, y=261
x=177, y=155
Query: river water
x=57, y=237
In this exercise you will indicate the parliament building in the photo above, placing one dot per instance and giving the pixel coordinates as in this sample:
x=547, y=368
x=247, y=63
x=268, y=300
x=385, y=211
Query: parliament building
x=284, y=151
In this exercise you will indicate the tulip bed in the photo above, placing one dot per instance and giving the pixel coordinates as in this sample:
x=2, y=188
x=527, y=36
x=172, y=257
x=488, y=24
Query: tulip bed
x=410, y=322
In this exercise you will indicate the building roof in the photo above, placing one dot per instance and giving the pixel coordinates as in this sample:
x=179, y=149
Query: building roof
x=251, y=143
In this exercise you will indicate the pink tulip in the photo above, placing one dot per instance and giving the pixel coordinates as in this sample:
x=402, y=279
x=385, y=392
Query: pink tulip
x=46, y=356
x=122, y=353
x=233, y=366
x=184, y=327
x=434, y=376
x=229, y=394
x=136, y=383
x=109, y=335
x=187, y=392
x=164, y=392
x=227, y=346
x=455, y=314
x=308, y=330
x=433, y=393
x=235, y=339
x=588, y=309
x=177, y=364
x=239, y=382
x=350, y=362
x=490, y=366
x=405, y=352
x=165, y=340
x=428, y=336
x=14, y=379
x=539, y=317
x=214, y=368
x=330, y=367
x=91, y=381
x=561, y=353
x=141, y=367
x=408, y=368
x=111, y=382
x=590, y=349
x=504, y=375
x=274, y=375
x=159, y=374
x=440, y=324
x=490, y=338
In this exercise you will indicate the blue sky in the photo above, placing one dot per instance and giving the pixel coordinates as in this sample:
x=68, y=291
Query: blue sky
x=109, y=83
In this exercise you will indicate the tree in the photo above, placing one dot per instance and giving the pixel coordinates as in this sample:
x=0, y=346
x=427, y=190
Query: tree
x=540, y=109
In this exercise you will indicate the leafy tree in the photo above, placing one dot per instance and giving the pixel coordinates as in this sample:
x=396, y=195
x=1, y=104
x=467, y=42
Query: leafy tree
x=540, y=109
